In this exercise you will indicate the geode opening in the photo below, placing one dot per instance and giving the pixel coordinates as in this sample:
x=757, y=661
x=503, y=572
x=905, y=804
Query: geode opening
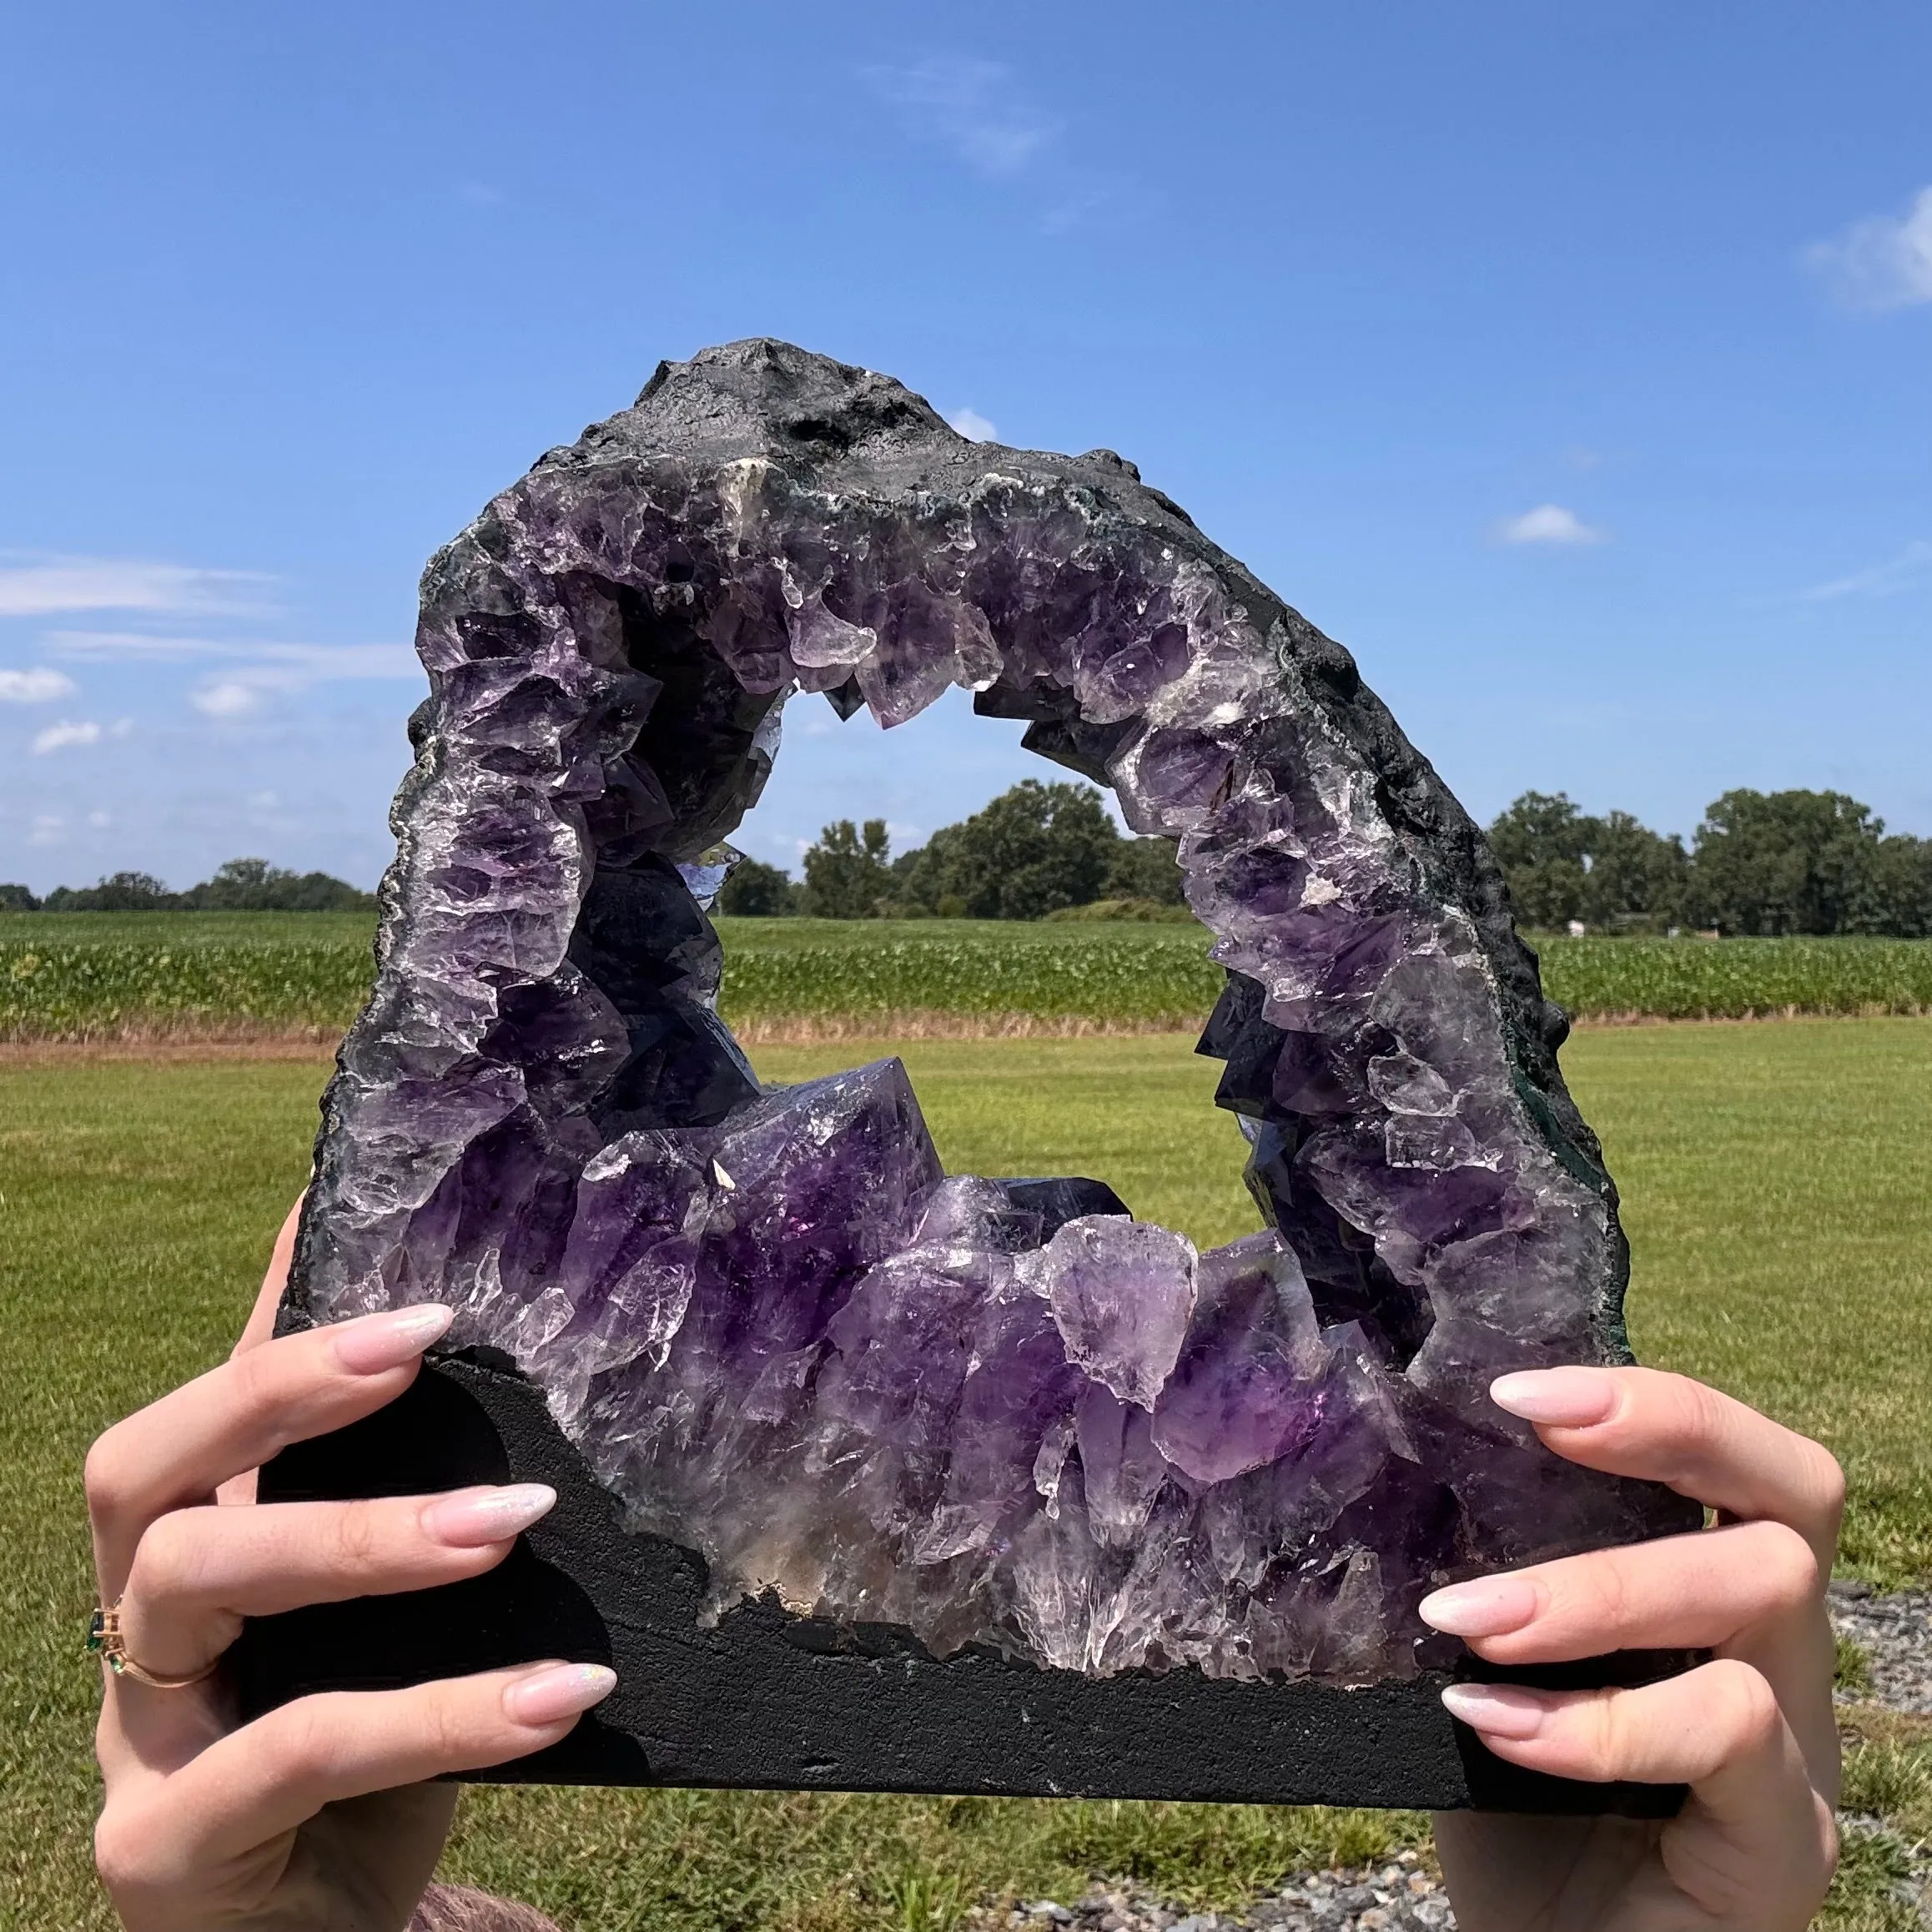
x=1000, y=1416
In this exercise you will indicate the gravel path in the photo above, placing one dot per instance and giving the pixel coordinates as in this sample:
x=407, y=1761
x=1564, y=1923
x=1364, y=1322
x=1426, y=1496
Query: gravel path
x=1895, y=1633
x=1893, y=1629
x=1399, y=1897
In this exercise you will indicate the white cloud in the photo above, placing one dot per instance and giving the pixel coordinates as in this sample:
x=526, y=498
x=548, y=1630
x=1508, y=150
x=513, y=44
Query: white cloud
x=979, y=111
x=310, y=663
x=230, y=698
x=974, y=426
x=47, y=827
x=1910, y=567
x=1883, y=261
x=58, y=736
x=39, y=685
x=131, y=647
x=253, y=669
x=1549, y=523
x=47, y=586
x=970, y=106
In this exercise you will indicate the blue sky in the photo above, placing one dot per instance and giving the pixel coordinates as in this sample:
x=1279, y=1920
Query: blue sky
x=1573, y=366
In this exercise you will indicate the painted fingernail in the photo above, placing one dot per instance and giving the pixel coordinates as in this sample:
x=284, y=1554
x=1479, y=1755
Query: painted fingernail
x=487, y=1516
x=1487, y=1607
x=1496, y=1708
x=1571, y=1398
x=374, y=1342
x=557, y=1690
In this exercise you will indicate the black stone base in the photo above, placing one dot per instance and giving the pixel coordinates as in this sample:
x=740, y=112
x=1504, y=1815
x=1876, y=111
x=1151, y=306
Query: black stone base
x=770, y=1700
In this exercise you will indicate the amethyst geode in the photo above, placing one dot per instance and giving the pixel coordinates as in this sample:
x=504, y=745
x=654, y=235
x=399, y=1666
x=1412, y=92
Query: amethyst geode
x=995, y=1413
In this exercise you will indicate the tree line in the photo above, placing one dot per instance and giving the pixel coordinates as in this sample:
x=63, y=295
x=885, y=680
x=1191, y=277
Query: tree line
x=1774, y=863
x=1760, y=863
x=243, y=885
x=1036, y=851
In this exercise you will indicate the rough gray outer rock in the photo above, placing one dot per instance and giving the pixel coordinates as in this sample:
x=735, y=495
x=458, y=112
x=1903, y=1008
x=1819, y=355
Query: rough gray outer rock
x=772, y=1329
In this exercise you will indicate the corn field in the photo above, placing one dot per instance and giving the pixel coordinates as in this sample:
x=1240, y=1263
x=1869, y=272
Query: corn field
x=1736, y=979
x=124, y=989
x=893, y=978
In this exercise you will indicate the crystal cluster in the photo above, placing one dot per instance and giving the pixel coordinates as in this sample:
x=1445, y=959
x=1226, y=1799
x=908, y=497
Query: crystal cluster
x=997, y=1412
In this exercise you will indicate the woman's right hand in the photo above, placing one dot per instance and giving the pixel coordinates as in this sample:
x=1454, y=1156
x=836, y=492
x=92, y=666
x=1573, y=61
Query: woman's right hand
x=318, y=1814
x=1752, y=1731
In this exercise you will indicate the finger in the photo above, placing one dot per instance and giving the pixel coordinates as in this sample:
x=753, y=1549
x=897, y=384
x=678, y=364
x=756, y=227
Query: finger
x=272, y=1775
x=198, y=1573
x=1690, y=1592
x=175, y=1452
x=1755, y=1828
x=260, y=1328
x=1717, y=1729
x=1669, y=1429
x=261, y=1325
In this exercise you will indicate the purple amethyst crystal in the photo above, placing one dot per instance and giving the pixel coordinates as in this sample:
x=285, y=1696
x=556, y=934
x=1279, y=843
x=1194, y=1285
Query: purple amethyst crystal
x=995, y=1413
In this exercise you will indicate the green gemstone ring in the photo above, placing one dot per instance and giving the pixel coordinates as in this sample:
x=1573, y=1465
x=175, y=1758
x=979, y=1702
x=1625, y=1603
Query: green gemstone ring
x=105, y=1641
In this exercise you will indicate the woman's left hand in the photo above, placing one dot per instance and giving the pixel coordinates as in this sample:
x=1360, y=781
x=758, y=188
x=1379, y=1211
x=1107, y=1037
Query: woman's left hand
x=322, y=1813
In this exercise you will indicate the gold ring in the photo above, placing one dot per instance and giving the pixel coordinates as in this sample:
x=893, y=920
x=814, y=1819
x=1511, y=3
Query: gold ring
x=105, y=1641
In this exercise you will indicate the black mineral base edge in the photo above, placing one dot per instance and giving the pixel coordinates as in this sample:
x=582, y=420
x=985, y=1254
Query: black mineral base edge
x=767, y=1700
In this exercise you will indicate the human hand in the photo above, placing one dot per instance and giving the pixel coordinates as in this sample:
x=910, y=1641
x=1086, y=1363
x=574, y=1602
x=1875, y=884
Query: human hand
x=317, y=1814
x=1752, y=1731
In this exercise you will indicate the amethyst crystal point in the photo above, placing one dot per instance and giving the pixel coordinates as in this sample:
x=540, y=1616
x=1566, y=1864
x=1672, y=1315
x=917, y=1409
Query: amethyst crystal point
x=1121, y=1293
x=996, y=1415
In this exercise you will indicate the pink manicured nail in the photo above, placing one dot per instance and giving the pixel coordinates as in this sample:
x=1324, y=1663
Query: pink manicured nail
x=558, y=1690
x=487, y=1516
x=1498, y=1710
x=374, y=1342
x=1486, y=1606
x=1571, y=1398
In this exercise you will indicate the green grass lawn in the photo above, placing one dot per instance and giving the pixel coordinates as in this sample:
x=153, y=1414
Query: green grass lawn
x=1775, y=1187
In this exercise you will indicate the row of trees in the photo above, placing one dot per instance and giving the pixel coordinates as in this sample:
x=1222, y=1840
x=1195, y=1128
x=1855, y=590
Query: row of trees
x=1760, y=863
x=1036, y=849
x=243, y=885
x=1773, y=863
